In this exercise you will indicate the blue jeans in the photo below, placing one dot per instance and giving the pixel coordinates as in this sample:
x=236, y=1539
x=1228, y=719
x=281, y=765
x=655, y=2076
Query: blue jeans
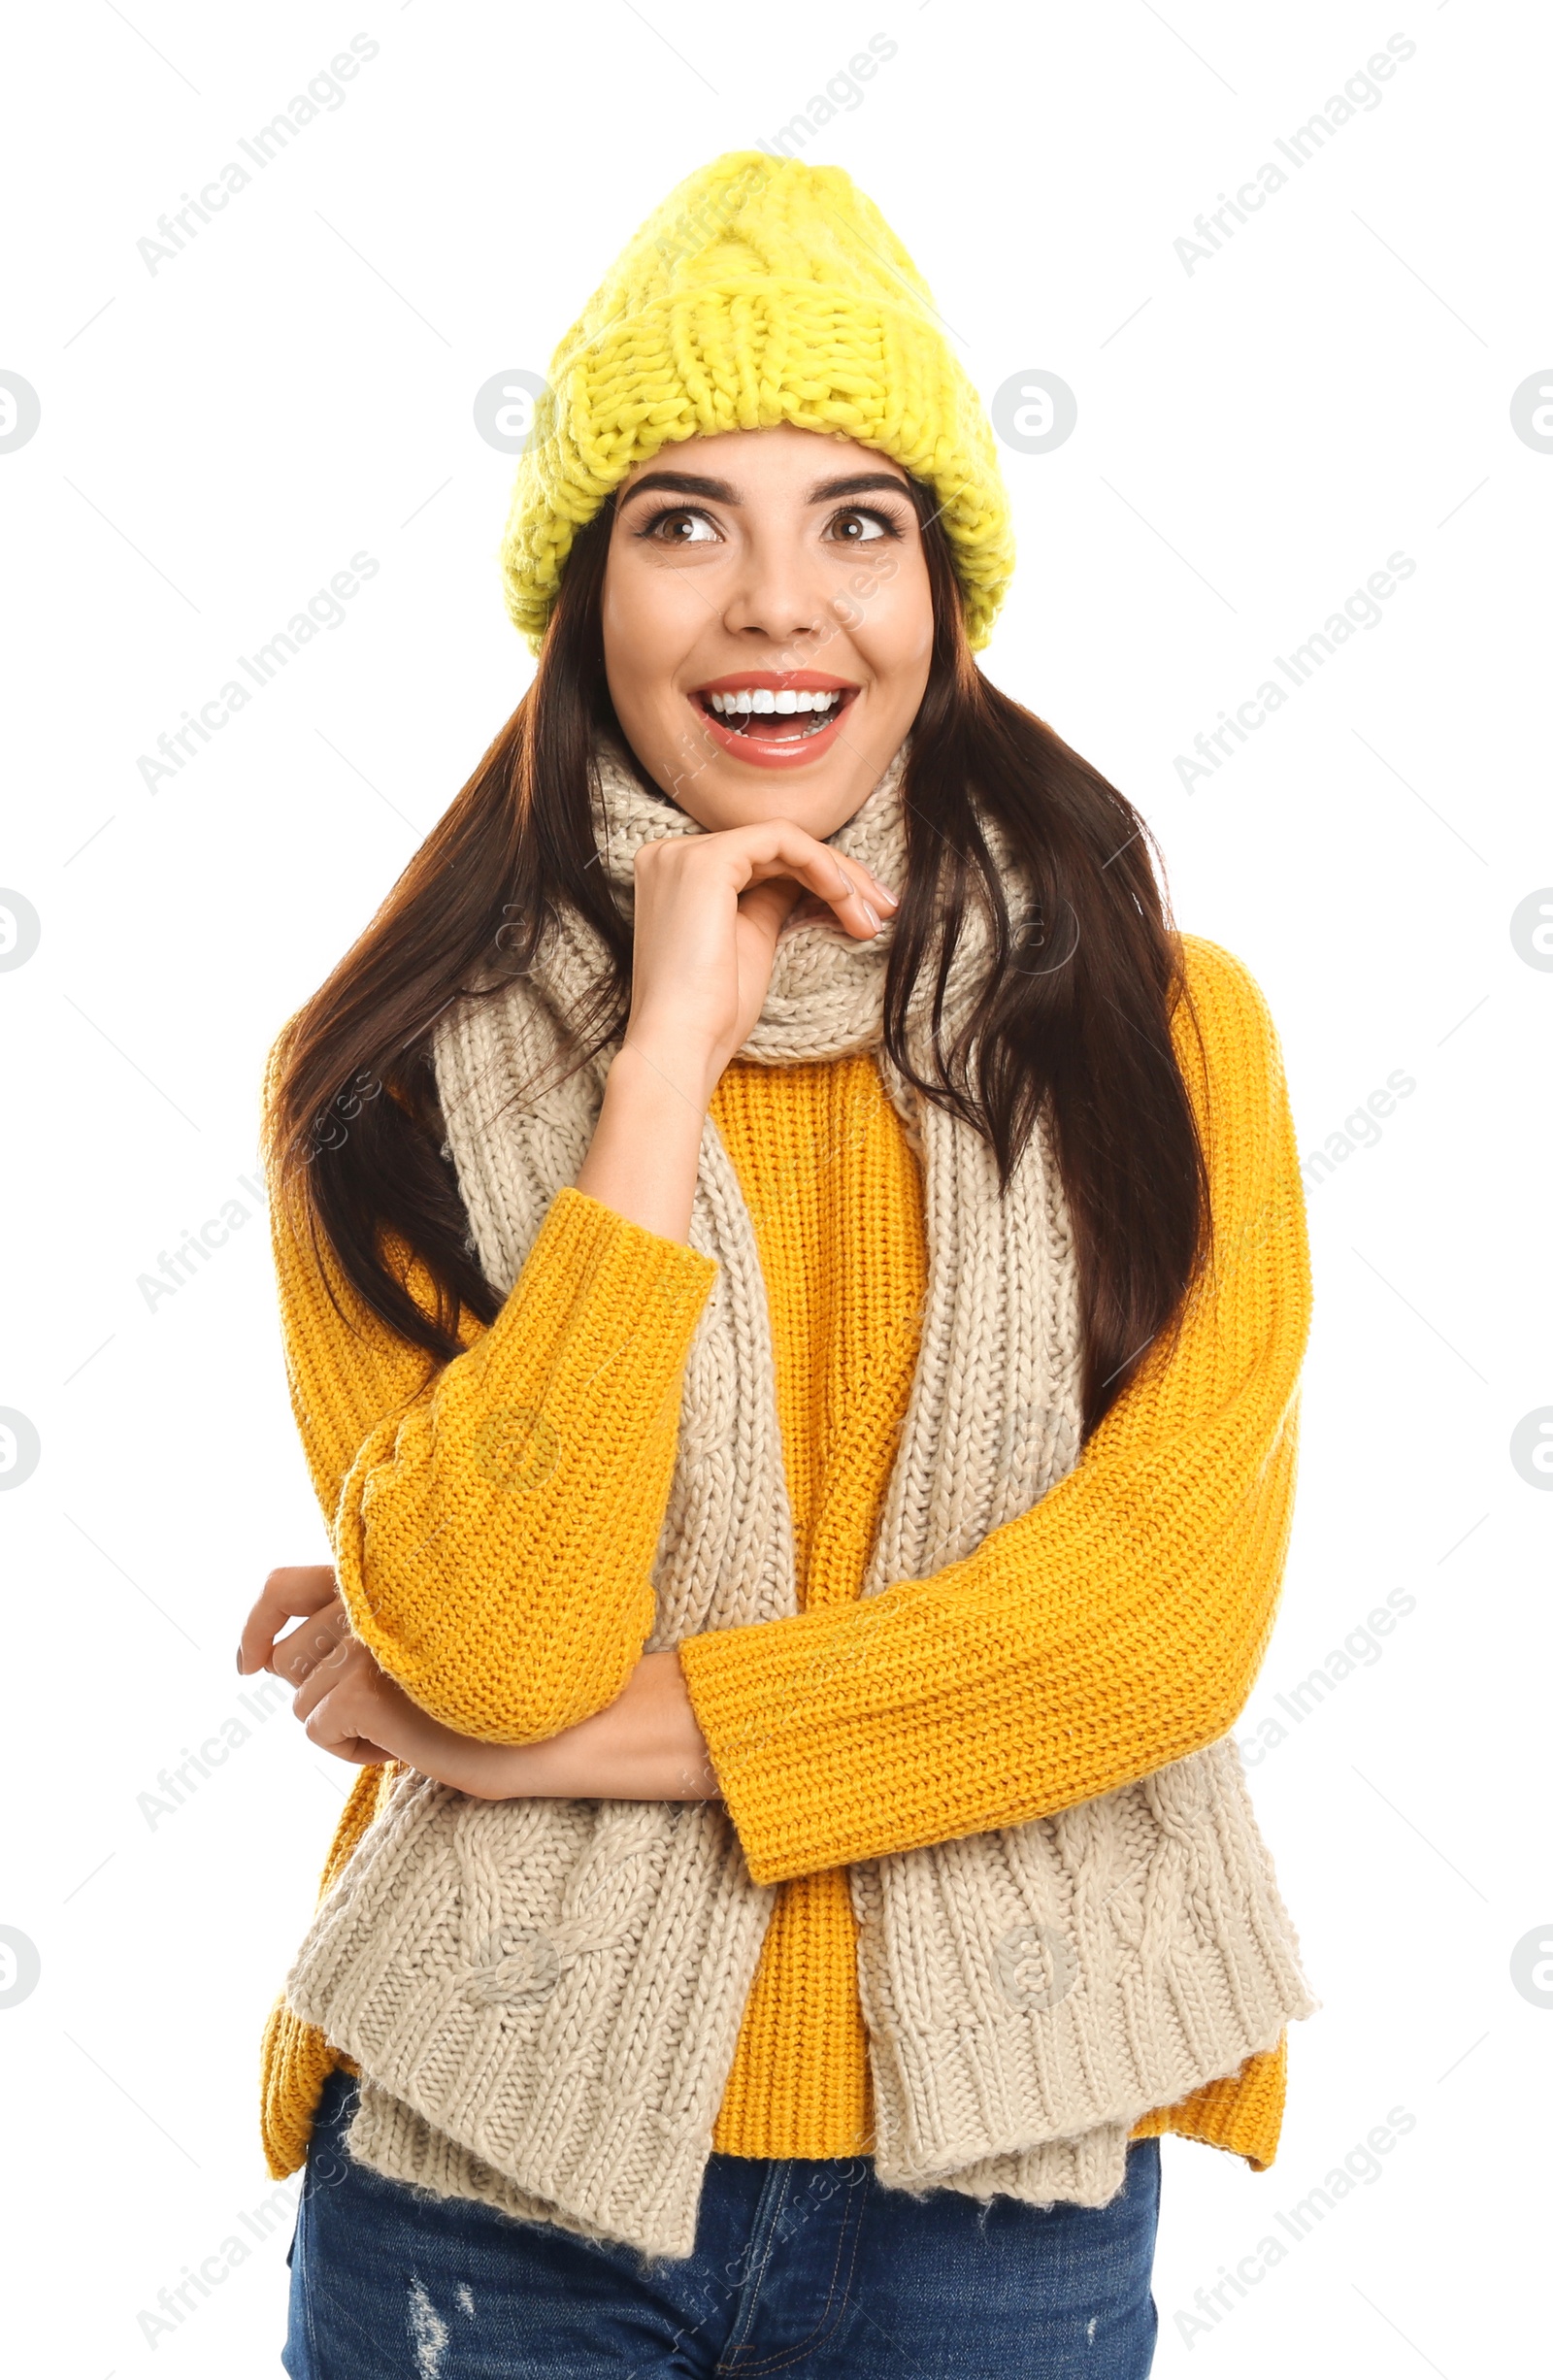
x=802, y=2267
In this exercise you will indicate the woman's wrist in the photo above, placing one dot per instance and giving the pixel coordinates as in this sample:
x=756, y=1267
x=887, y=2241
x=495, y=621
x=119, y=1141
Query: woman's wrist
x=679, y=1065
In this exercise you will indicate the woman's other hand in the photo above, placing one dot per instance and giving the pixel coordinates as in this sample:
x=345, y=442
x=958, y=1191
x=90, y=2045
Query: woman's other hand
x=349, y=1706
x=644, y=1747
x=308, y=1593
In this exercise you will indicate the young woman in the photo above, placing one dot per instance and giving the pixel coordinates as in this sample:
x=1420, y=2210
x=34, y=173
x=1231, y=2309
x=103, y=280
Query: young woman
x=793, y=1284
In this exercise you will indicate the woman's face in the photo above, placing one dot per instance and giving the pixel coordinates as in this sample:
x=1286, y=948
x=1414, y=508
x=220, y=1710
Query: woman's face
x=785, y=566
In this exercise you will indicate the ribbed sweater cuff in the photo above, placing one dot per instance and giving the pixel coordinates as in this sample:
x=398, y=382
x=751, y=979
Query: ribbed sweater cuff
x=839, y=1735
x=611, y=1252
x=758, y=1694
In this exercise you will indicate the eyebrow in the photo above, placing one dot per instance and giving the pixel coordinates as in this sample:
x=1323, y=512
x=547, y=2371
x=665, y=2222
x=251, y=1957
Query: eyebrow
x=721, y=491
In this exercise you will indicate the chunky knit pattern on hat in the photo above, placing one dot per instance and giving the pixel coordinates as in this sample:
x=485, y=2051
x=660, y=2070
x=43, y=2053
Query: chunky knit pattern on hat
x=761, y=290
x=543, y=1998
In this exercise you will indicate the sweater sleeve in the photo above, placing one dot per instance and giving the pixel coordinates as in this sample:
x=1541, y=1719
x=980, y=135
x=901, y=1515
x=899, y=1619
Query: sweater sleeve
x=495, y=1524
x=1116, y=1626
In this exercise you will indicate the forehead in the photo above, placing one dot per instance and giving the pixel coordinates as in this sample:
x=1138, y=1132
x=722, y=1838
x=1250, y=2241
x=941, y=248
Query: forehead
x=781, y=457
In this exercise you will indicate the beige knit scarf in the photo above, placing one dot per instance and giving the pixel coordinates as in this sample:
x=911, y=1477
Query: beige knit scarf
x=543, y=1996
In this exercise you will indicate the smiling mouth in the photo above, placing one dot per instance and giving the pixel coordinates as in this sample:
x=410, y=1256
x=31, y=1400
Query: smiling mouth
x=785, y=715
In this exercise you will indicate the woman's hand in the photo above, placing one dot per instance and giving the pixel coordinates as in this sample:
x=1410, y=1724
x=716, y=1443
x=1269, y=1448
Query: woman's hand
x=709, y=911
x=645, y=1746
x=308, y=1593
x=349, y=1706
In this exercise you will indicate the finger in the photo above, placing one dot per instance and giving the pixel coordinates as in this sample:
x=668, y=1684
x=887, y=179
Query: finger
x=778, y=848
x=332, y=1711
x=329, y=1672
x=880, y=893
x=880, y=896
x=351, y=1707
x=295, y=1655
x=849, y=889
x=336, y=1734
x=290, y=1594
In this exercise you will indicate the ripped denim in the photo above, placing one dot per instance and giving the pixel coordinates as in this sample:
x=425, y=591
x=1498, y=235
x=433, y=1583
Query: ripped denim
x=802, y=2267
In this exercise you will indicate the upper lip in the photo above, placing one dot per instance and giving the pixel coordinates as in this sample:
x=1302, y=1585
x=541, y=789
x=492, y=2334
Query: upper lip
x=796, y=681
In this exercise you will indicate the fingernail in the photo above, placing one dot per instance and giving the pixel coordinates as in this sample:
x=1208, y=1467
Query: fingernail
x=885, y=893
x=240, y=1661
x=846, y=881
x=871, y=915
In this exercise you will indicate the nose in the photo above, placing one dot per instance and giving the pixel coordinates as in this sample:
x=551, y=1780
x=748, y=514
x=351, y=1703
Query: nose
x=776, y=594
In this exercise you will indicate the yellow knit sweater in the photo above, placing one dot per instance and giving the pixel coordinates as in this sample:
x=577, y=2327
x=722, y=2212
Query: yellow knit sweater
x=1057, y=1661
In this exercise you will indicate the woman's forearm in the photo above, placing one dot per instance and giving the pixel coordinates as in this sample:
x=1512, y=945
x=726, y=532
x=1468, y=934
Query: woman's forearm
x=647, y=1144
x=645, y=1746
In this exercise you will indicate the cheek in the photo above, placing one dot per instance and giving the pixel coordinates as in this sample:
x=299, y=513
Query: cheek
x=894, y=630
x=647, y=628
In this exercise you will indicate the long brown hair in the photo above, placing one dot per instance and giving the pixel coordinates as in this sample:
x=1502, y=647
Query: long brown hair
x=1075, y=1006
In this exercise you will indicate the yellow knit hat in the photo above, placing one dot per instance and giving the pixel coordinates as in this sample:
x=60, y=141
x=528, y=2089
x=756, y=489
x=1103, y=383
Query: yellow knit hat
x=761, y=290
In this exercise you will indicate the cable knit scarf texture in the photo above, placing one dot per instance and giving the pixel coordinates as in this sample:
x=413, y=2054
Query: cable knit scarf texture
x=543, y=1996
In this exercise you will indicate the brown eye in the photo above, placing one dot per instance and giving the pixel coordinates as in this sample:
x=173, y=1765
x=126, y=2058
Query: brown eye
x=862, y=528
x=679, y=526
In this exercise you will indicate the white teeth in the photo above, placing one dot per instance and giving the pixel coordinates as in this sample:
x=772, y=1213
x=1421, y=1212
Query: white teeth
x=762, y=698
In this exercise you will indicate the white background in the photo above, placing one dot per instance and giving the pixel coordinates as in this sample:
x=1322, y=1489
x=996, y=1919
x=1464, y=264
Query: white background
x=1254, y=439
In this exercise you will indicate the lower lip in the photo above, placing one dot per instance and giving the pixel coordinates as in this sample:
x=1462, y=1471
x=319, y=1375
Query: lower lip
x=764, y=751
